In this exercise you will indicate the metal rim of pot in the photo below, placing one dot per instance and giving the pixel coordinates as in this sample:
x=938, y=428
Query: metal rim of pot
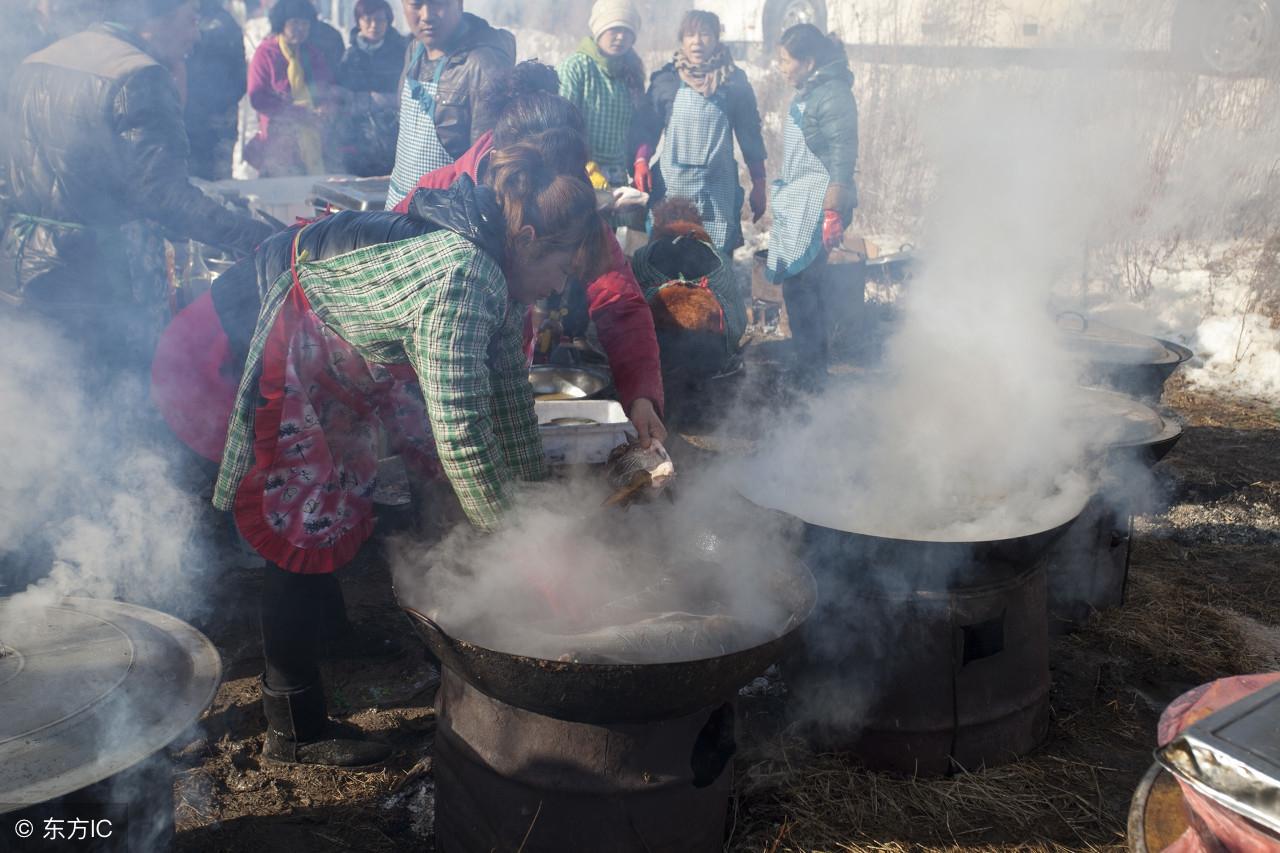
x=600, y=378
x=1172, y=354
x=616, y=693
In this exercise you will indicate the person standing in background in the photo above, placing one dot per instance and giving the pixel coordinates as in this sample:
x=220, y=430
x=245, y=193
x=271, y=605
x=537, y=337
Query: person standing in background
x=454, y=55
x=814, y=198
x=604, y=79
x=217, y=75
x=97, y=165
x=702, y=101
x=327, y=40
x=290, y=85
x=370, y=76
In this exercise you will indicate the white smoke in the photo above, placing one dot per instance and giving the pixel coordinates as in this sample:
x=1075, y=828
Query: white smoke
x=567, y=579
x=96, y=500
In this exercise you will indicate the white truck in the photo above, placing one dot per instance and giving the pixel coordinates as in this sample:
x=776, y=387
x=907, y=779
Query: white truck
x=1231, y=37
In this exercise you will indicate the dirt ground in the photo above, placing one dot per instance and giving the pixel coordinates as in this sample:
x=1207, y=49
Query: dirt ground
x=1201, y=604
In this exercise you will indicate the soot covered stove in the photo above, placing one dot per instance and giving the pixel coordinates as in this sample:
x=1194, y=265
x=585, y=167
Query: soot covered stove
x=509, y=778
x=561, y=755
x=925, y=656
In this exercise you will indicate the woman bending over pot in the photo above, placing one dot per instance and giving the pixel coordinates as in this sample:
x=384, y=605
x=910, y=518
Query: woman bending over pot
x=336, y=339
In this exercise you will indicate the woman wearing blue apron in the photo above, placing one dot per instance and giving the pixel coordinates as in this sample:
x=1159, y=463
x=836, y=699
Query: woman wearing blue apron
x=418, y=147
x=814, y=198
x=703, y=100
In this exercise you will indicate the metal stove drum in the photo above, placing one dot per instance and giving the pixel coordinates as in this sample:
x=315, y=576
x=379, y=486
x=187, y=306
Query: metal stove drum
x=926, y=656
x=1089, y=566
x=552, y=755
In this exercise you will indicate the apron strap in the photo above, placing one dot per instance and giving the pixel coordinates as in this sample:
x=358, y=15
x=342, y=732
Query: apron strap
x=416, y=87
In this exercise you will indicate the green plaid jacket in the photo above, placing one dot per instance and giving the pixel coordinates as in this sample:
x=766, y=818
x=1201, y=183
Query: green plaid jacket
x=440, y=304
x=606, y=106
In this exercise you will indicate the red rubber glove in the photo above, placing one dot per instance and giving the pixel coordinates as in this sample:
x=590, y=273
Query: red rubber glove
x=643, y=177
x=832, y=230
x=758, y=199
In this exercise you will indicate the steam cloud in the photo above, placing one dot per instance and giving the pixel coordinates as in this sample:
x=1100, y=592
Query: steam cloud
x=94, y=501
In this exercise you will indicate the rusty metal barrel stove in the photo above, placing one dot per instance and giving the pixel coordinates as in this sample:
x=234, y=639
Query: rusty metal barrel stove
x=547, y=755
x=1088, y=566
x=923, y=656
x=509, y=779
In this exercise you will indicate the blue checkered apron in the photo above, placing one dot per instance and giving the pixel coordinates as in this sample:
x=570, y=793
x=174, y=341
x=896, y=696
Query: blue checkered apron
x=697, y=163
x=418, y=147
x=796, y=199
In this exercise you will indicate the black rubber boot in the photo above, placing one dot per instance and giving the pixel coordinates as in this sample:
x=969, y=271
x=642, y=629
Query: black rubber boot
x=299, y=731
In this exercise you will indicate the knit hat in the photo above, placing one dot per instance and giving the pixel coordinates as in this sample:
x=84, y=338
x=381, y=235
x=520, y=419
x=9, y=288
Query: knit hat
x=607, y=14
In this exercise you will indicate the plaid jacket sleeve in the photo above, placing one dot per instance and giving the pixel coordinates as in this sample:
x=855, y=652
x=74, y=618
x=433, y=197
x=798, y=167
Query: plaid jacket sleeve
x=449, y=350
x=514, y=418
x=573, y=81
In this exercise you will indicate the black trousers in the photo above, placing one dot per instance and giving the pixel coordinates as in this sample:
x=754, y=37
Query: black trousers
x=807, y=315
x=297, y=612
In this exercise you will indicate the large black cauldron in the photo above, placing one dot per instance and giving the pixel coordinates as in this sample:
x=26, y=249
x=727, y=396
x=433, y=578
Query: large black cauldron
x=926, y=656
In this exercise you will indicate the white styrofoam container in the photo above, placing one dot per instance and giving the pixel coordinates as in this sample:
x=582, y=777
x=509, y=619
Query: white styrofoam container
x=579, y=444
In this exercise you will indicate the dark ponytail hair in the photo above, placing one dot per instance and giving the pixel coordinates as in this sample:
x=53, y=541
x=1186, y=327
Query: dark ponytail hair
x=540, y=183
x=527, y=101
x=805, y=41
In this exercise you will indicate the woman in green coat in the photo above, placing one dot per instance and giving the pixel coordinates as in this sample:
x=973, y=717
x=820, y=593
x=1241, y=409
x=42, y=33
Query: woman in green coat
x=604, y=79
x=814, y=198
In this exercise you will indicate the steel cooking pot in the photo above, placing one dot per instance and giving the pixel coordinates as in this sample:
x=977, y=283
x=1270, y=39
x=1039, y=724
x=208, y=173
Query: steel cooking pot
x=556, y=382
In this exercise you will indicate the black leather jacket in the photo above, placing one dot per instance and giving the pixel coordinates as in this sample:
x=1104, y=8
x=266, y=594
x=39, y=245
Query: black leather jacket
x=97, y=140
x=480, y=53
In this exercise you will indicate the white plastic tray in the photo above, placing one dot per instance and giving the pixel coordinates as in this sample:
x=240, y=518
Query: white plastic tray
x=582, y=444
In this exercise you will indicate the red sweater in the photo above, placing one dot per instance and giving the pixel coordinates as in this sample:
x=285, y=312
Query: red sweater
x=614, y=300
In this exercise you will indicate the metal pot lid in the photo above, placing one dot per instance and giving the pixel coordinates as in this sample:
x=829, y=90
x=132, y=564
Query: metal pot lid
x=1098, y=342
x=89, y=688
x=1115, y=420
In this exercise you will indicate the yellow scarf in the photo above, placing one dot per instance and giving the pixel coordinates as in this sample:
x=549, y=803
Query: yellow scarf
x=310, y=146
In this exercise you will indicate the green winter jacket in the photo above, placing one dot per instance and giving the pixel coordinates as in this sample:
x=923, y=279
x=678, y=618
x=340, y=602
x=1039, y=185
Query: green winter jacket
x=831, y=131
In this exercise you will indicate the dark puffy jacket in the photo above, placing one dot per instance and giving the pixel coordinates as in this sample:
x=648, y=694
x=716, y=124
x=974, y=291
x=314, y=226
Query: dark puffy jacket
x=373, y=71
x=739, y=106
x=831, y=131
x=328, y=41
x=467, y=210
x=98, y=141
x=370, y=122
x=217, y=75
x=481, y=52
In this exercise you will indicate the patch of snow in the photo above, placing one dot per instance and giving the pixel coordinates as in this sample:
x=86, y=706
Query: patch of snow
x=1204, y=298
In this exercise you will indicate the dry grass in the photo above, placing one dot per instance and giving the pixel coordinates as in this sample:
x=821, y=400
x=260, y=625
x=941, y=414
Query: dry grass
x=1167, y=627
x=829, y=802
